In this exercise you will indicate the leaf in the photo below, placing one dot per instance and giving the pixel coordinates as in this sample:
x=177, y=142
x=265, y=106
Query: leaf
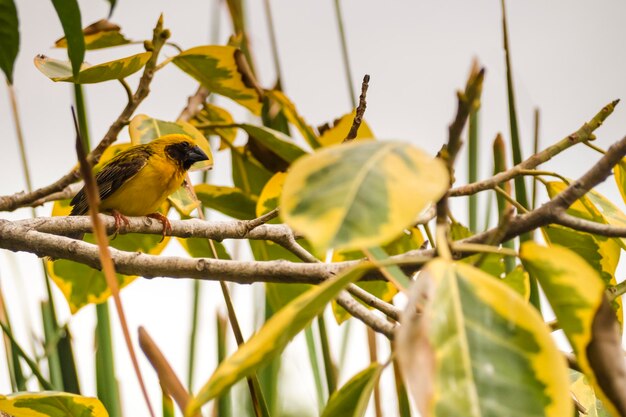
x=51, y=404
x=620, y=177
x=69, y=15
x=601, y=253
x=212, y=114
x=351, y=400
x=217, y=68
x=576, y=294
x=9, y=37
x=519, y=281
x=586, y=396
x=144, y=129
x=291, y=113
x=478, y=348
x=231, y=201
x=248, y=174
x=492, y=263
x=98, y=35
x=82, y=285
x=268, y=200
x=273, y=337
x=354, y=195
x=113, y=70
x=611, y=214
x=337, y=133
x=276, y=141
x=183, y=201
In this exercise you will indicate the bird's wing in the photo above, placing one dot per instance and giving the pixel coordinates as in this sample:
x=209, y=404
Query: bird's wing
x=115, y=173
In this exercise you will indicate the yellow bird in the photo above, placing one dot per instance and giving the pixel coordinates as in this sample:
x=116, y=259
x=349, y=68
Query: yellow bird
x=137, y=181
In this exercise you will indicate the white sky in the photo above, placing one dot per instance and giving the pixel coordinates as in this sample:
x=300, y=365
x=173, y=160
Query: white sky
x=568, y=59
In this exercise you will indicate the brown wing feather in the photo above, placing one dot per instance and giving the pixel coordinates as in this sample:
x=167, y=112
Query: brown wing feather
x=115, y=173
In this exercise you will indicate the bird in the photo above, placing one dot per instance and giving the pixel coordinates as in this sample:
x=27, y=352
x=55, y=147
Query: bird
x=137, y=181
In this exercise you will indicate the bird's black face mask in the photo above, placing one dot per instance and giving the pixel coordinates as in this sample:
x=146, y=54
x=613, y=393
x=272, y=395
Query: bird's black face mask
x=186, y=154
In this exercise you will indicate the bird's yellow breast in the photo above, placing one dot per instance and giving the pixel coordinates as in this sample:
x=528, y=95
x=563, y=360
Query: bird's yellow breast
x=146, y=191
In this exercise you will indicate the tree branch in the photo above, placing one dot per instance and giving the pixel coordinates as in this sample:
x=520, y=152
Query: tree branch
x=585, y=133
x=22, y=199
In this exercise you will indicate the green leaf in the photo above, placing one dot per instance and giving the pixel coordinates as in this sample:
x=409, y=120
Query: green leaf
x=82, y=285
x=231, y=201
x=478, y=349
x=351, y=399
x=337, y=133
x=273, y=337
x=183, y=201
x=576, y=294
x=610, y=213
x=212, y=114
x=218, y=69
x=279, y=143
x=69, y=15
x=98, y=35
x=113, y=70
x=144, y=129
x=601, y=253
x=291, y=113
x=519, y=281
x=9, y=37
x=361, y=194
x=248, y=174
x=492, y=263
x=586, y=396
x=268, y=200
x=51, y=404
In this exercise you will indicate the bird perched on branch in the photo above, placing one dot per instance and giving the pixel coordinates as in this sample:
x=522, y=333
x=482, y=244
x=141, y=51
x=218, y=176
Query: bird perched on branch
x=137, y=181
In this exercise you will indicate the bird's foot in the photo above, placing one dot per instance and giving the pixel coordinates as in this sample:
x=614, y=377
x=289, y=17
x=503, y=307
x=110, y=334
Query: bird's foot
x=119, y=219
x=167, y=226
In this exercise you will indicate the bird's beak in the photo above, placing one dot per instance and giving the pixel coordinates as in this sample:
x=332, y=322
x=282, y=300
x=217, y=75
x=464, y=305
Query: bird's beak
x=196, y=155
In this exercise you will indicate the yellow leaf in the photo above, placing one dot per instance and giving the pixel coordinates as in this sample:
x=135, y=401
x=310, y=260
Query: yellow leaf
x=361, y=194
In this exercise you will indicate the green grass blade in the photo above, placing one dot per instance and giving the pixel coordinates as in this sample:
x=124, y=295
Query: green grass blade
x=16, y=376
x=106, y=383
x=68, y=364
x=404, y=408
x=520, y=184
x=51, y=341
x=329, y=366
x=472, y=163
x=197, y=289
x=224, y=405
x=315, y=367
x=45, y=384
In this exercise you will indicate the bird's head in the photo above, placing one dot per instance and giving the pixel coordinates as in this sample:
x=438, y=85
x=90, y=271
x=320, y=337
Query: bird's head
x=181, y=149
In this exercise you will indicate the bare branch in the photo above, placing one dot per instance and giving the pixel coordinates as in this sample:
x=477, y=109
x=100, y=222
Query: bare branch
x=360, y=110
x=21, y=199
x=585, y=133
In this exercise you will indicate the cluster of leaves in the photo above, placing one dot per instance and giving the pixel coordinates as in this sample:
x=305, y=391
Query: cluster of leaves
x=470, y=342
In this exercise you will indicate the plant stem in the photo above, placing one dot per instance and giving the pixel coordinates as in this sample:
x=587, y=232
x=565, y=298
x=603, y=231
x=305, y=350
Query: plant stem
x=106, y=382
x=344, y=52
x=535, y=151
x=520, y=185
x=329, y=366
x=315, y=367
x=472, y=164
x=273, y=42
x=192, y=337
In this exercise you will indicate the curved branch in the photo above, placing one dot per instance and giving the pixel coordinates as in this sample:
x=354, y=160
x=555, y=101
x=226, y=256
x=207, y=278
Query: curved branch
x=22, y=199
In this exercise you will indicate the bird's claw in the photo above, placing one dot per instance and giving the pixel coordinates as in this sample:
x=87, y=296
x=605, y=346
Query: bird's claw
x=119, y=219
x=167, y=226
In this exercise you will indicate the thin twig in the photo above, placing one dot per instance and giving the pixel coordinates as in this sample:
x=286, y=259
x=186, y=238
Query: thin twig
x=167, y=377
x=21, y=199
x=583, y=134
x=102, y=241
x=360, y=110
